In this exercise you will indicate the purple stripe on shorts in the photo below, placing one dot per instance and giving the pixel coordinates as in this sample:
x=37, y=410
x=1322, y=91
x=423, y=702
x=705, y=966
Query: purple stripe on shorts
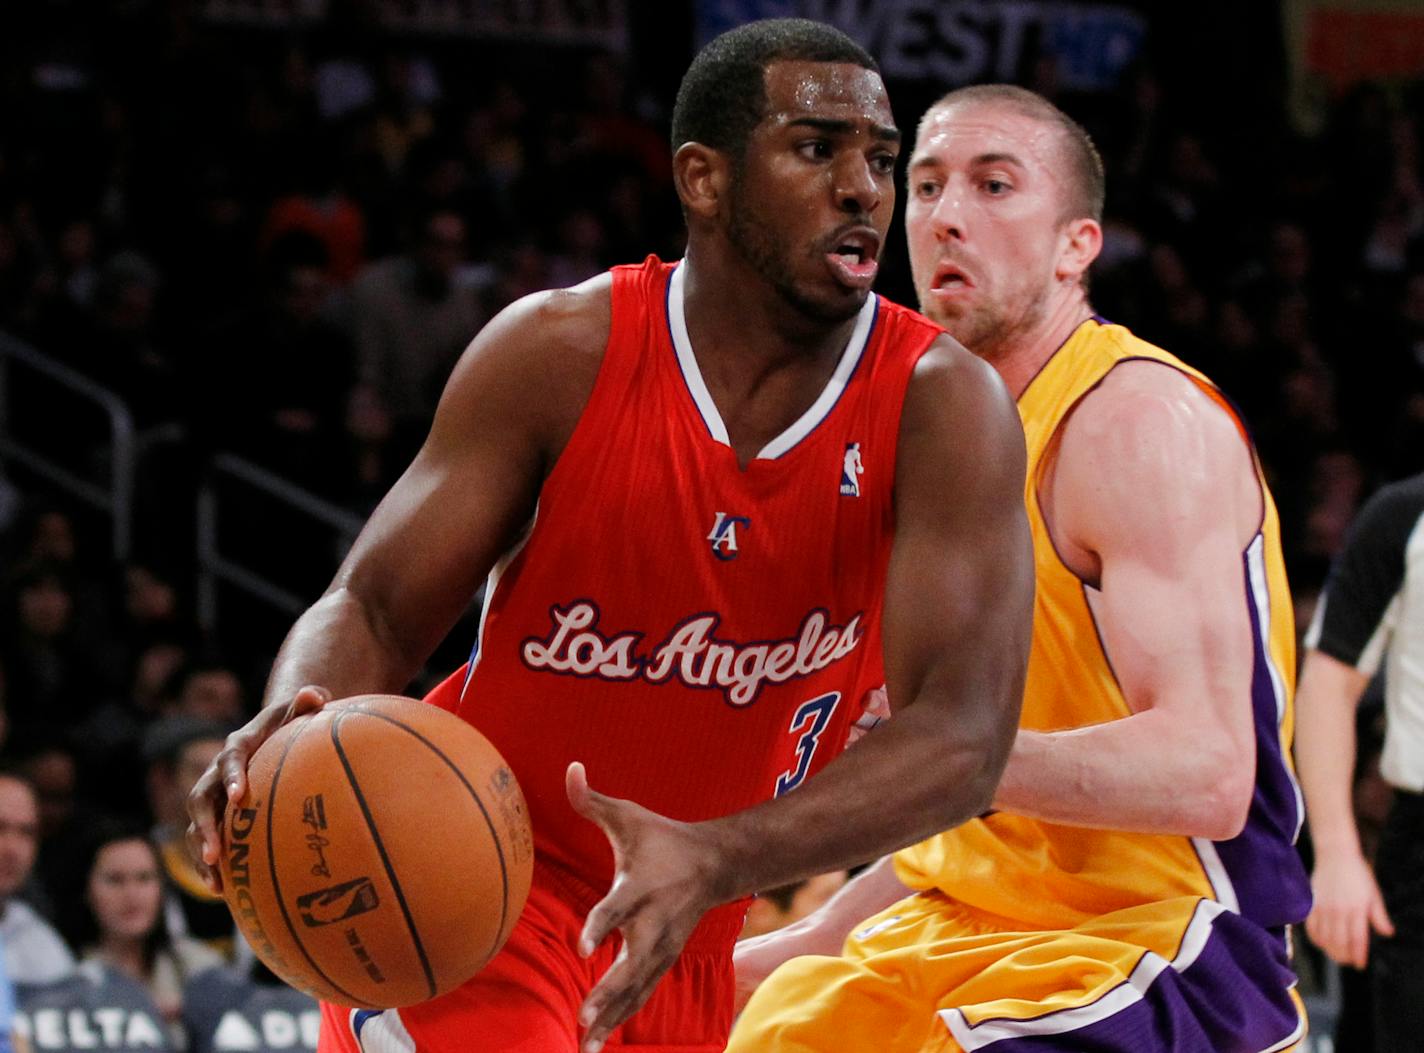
x=1234, y=998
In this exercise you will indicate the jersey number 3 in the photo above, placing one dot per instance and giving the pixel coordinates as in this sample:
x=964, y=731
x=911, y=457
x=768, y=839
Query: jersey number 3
x=810, y=720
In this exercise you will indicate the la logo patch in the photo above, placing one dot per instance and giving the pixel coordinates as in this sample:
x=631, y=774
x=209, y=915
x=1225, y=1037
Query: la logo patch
x=724, y=535
x=852, y=468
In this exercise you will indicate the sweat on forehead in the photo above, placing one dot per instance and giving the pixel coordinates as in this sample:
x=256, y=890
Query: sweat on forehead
x=1081, y=164
x=723, y=94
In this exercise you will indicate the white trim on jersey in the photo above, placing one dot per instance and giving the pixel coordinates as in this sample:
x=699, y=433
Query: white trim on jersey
x=1261, y=596
x=491, y=585
x=382, y=1032
x=1149, y=968
x=1221, y=886
x=697, y=387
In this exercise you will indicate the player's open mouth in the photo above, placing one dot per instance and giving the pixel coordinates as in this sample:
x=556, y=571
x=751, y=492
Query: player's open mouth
x=853, y=258
x=949, y=278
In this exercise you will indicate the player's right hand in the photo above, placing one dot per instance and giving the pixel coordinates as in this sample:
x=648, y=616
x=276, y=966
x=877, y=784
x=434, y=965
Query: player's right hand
x=1347, y=905
x=226, y=779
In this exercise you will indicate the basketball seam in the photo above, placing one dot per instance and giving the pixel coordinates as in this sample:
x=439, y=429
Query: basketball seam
x=272, y=869
x=494, y=834
x=380, y=845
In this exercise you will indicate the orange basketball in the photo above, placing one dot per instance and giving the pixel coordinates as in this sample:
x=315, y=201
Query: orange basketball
x=381, y=855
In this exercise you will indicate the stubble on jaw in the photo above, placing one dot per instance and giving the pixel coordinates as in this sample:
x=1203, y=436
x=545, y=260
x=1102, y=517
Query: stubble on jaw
x=991, y=333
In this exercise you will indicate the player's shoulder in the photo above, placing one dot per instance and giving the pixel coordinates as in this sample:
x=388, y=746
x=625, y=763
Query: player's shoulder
x=562, y=322
x=949, y=368
x=958, y=403
x=534, y=365
x=1146, y=407
x=552, y=340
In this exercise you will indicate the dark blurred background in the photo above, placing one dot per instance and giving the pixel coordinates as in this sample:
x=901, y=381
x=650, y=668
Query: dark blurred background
x=242, y=242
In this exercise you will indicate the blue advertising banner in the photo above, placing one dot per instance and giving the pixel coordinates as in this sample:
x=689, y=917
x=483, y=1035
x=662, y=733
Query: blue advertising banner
x=954, y=42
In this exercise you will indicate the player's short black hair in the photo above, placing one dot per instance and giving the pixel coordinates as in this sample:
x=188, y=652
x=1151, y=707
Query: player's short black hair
x=723, y=94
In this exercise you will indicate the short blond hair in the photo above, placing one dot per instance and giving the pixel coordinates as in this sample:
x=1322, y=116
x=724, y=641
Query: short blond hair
x=1085, y=164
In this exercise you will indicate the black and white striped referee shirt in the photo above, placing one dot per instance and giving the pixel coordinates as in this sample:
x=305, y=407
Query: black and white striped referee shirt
x=1373, y=609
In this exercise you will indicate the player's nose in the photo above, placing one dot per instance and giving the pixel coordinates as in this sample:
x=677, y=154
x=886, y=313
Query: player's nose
x=857, y=190
x=947, y=218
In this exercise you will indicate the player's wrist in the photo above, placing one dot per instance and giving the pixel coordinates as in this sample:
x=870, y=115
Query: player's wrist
x=715, y=857
x=1337, y=846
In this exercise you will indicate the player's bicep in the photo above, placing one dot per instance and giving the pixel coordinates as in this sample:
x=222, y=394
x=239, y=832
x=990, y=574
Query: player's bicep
x=1162, y=490
x=959, y=595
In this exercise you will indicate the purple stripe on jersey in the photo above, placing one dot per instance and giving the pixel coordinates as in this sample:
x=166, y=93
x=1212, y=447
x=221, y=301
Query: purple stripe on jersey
x=1272, y=886
x=1234, y=998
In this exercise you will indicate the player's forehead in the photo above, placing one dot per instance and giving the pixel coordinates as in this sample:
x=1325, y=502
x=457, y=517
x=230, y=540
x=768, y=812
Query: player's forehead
x=797, y=89
x=967, y=132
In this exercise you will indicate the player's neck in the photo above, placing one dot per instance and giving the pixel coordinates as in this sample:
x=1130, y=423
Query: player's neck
x=736, y=319
x=1019, y=358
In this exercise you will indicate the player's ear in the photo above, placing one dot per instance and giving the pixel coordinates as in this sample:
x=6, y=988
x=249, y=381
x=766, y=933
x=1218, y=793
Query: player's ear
x=702, y=176
x=1082, y=240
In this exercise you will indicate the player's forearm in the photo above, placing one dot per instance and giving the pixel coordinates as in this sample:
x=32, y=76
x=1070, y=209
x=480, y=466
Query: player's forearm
x=1325, y=758
x=339, y=644
x=913, y=778
x=1148, y=773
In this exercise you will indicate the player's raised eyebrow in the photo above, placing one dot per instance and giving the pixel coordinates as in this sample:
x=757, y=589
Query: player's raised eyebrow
x=833, y=126
x=926, y=159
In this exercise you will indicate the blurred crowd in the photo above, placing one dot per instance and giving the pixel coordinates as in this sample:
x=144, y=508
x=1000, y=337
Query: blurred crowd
x=278, y=244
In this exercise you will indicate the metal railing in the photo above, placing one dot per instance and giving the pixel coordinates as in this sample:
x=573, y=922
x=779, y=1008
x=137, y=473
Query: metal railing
x=214, y=567
x=117, y=498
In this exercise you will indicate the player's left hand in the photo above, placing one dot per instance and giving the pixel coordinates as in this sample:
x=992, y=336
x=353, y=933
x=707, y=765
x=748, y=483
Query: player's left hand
x=665, y=877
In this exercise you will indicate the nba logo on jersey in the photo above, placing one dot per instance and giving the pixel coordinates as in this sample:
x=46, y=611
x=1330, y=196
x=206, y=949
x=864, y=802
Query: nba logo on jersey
x=724, y=535
x=851, y=471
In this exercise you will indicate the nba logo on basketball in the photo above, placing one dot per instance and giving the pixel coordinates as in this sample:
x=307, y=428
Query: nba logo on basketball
x=724, y=535
x=851, y=471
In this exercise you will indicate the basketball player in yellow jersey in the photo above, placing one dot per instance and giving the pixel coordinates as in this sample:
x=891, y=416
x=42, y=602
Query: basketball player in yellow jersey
x=1134, y=888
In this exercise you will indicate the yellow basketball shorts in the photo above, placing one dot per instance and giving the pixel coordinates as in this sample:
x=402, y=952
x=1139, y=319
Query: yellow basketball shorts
x=930, y=975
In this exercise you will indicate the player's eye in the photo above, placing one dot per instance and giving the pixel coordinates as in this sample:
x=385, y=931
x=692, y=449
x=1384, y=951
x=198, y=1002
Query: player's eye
x=883, y=163
x=926, y=189
x=997, y=187
x=816, y=149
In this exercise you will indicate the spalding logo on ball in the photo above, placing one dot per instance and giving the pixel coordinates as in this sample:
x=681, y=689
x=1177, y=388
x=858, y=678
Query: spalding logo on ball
x=382, y=854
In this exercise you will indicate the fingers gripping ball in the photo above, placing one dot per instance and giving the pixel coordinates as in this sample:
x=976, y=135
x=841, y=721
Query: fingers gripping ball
x=381, y=855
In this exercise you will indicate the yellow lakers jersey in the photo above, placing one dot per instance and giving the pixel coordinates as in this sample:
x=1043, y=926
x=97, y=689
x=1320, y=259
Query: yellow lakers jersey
x=1045, y=875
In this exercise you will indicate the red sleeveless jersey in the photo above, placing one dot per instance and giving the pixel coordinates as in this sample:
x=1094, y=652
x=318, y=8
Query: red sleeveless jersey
x=699, y=635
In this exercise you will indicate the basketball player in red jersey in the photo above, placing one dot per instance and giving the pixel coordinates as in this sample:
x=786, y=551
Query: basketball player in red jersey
x=716, y=503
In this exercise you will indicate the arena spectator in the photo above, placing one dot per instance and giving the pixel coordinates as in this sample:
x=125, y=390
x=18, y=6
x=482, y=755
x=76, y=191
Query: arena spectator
x=413, y=315
x=778, y=907
x=33, y=950
x=119, y=921
x=207, y=689
x=176, y=750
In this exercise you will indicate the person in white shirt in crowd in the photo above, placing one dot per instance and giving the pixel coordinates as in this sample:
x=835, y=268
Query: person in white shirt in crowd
x=34, y=954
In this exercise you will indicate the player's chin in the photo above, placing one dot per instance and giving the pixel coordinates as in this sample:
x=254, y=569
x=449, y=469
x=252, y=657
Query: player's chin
x=832, y=302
